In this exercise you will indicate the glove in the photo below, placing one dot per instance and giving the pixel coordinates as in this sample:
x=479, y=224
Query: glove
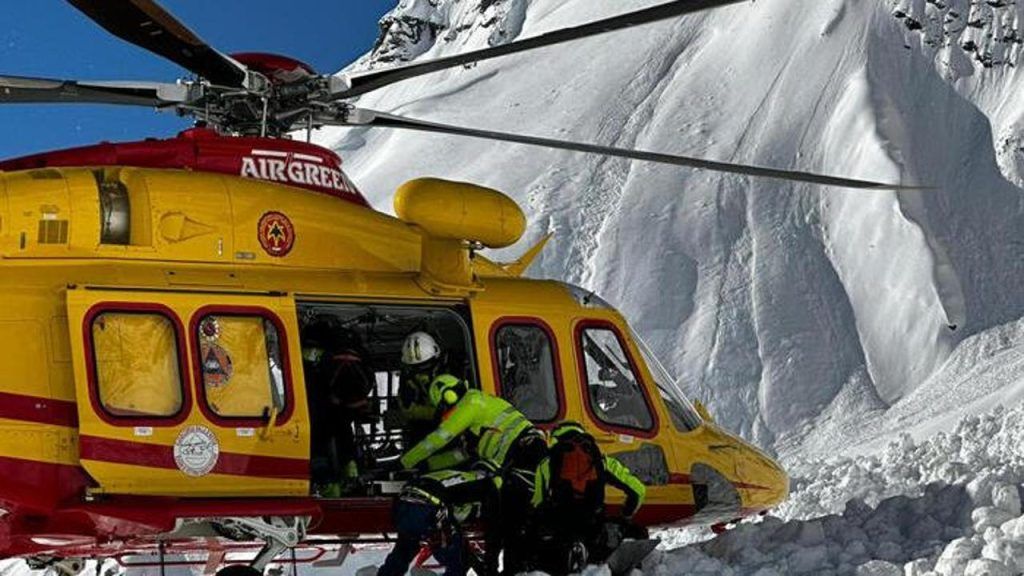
x=394, y=419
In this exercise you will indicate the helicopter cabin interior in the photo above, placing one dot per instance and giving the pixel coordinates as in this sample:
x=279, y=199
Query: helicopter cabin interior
x=355, y=380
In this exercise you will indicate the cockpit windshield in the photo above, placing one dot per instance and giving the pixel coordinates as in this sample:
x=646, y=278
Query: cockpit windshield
x=684, y=416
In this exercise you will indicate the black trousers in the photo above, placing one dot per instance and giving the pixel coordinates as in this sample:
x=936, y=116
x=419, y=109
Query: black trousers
x=432, y=510
x=515, y=502
x=419, y=522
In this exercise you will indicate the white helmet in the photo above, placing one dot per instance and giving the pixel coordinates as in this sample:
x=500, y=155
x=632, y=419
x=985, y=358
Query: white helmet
x=418, y=348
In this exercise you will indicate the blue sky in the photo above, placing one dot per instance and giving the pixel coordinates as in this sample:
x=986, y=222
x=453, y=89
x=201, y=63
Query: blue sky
x=50, y=38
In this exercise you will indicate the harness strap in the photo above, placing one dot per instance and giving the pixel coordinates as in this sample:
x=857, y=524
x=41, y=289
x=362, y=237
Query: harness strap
x=416, y=494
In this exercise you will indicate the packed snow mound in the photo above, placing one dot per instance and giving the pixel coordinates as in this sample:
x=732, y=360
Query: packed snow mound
x=949, y=505
x=772, y=301
x=982, y=449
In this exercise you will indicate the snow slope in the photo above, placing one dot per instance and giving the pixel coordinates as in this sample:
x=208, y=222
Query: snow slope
x=951, y=504
x=778, y=304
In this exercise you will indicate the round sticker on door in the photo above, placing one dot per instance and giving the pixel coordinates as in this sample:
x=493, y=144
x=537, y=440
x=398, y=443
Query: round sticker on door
x=276, y=234
x=196, y=451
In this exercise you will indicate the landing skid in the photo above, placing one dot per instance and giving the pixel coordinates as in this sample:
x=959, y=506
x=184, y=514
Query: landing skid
x=211, y=556
x=278, y=534
x=209, y=545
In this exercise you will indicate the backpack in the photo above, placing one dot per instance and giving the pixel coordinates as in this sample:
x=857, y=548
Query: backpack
x=577, y=480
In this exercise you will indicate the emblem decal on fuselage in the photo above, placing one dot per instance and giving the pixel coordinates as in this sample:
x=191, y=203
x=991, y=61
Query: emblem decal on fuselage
x=210, y=329
x=276, y=234
x=217, y=366
x=196, y=451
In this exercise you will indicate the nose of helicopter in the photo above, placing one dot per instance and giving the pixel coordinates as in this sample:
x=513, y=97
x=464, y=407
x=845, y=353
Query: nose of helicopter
x=755, y=482
x=729, y=477
x=762, y=482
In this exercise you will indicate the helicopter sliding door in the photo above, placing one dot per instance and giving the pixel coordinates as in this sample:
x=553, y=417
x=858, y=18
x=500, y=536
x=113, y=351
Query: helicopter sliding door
x=189, y=394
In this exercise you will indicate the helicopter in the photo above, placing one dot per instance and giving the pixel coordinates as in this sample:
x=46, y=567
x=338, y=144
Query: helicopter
x=162, y=296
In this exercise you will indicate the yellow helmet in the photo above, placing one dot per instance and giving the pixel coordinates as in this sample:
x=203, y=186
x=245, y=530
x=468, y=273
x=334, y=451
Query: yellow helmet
x=565, y=428
x=447, y=390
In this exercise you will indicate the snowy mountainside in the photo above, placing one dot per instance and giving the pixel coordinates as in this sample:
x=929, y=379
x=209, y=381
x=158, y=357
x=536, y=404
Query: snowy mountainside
x=774, y=302
x=417, y=25
x=984, y=372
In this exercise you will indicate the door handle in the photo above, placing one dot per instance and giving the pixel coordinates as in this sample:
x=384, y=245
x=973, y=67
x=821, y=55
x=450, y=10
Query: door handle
x=271, y=413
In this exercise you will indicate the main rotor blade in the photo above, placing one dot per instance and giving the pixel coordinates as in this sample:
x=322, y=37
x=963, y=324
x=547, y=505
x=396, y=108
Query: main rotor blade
x=19, y=89
x=372, y=118
x=147, y=25
x=362, y=82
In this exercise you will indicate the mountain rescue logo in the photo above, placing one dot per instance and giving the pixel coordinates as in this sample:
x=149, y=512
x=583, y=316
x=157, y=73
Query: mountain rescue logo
x=196, y=451
x=276, y=234
x=217, y=366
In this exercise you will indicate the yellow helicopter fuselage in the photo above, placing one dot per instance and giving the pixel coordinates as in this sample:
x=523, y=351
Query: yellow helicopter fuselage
x=121, y=287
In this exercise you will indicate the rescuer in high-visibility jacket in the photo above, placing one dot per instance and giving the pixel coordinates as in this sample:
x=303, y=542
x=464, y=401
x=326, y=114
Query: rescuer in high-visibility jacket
x=568, y=499
x=610, y=472
x=422, y=361
x=501, y=439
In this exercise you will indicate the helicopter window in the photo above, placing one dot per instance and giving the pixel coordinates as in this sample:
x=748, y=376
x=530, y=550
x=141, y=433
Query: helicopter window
x=137, y=364
x=614, y=392
x=240, y=366
x=526, y=369
x=365, y=406
x=683, y=415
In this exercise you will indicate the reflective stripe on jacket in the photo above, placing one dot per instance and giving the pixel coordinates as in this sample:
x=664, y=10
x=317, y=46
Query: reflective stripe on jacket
x=494, y=423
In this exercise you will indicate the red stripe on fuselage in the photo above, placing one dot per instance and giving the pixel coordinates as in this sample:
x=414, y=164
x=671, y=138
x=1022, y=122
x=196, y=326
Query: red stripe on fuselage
x=38, y=486
x=159, y=456
x=750, y=486
x=684, y=479
x=39, y=410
